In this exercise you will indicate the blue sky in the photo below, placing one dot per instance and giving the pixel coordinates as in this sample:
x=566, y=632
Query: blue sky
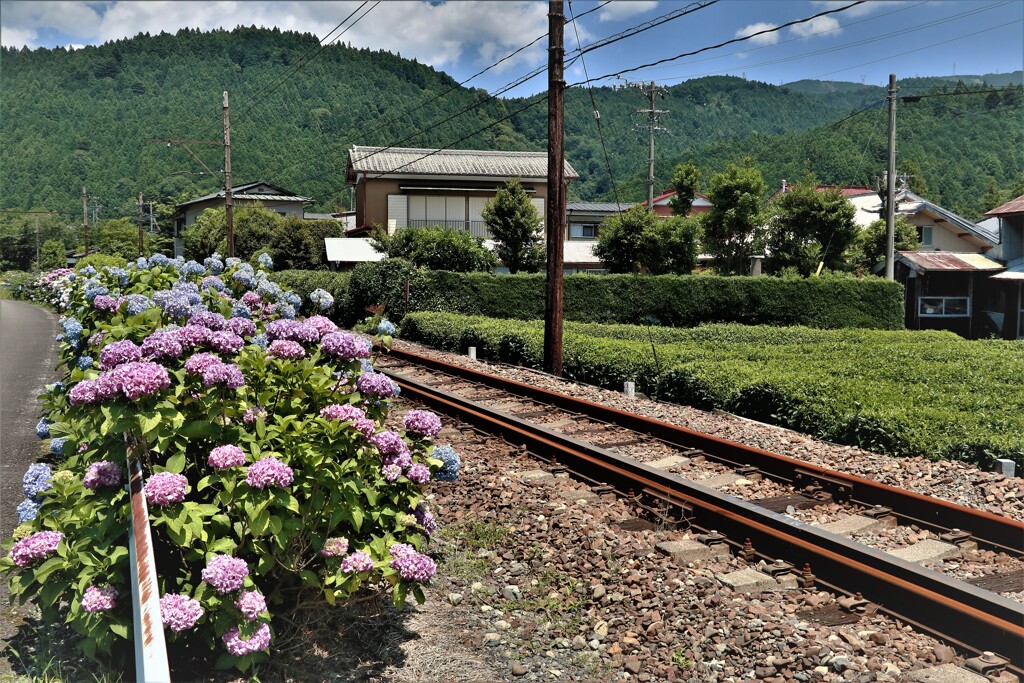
x=861, y=44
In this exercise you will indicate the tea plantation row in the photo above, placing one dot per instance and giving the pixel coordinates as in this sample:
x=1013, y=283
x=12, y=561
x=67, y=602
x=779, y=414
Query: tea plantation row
x=899, y=392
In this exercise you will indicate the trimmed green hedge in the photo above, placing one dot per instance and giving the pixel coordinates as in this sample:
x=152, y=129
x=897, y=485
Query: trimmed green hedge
x=900, y=392
x=676, y=301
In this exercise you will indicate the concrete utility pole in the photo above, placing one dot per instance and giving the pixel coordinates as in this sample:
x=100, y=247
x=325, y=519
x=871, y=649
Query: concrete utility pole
x=142, y=247
x=556, y=190
x=653, y=119
x=37, y=241
x=890, y=186
x=229, y=209
x=85, y=219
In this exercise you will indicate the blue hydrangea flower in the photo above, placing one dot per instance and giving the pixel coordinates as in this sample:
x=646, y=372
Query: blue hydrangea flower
x=85, y=362
x=240, y=310
x=120, y=273
x=72, y=329
x=214, y=263
x=243, y=278
x=59, y=337
x=191, y=268
x=365, y=365
x=142, y=263
x=37, y=479
x=452, y=463
x=158, y=260
x=57, y=445
x=93, y=288
x=134, y=304
x=284, y=310
x=268, y=289
x=293, y=299
x=175, y=304
x=43, y=428
x=27, y=510
x=56, y=387
x=88, y=271
x=322, y=299
x=260, y=340
x=386, y=327
x=232, y=261
x=197, y=308
x=265, y=260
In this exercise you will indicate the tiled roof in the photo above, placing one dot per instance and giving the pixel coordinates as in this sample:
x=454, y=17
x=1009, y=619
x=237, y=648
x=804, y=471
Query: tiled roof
x=456, y=162
x=1013, y=207
x=595, y=207
x=239, y=192
x=928, y=261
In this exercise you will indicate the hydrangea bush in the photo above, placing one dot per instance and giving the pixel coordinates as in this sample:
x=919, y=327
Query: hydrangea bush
x=270, y=481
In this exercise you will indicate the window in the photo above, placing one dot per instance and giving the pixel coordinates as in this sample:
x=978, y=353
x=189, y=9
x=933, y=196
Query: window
x=926, y=236
x=944, y=307
x=583, y=231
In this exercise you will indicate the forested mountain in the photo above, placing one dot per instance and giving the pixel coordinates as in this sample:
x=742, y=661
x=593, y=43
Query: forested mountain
x=846, y=95
x=74, y=118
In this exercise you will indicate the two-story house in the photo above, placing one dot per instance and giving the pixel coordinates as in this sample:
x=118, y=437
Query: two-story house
x=1008, y=286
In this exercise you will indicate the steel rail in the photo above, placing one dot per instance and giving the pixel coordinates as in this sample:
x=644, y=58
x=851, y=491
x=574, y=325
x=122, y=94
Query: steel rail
x=953, y=610
x=987, y=529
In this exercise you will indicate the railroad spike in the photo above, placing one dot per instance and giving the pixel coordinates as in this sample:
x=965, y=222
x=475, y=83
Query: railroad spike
x=748, y=553
x=806, y=578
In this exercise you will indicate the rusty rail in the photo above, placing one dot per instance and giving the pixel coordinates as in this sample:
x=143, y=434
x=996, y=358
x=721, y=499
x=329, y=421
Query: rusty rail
x=955, y=611
x=151, y=663
x=988, y=530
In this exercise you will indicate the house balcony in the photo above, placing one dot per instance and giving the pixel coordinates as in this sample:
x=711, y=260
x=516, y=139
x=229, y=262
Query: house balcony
x=474, y=228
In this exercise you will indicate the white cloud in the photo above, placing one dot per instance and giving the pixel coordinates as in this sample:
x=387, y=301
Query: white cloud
x=16, y=37
x=766, y=39
x=856, y=10
x=818, y=25
x=623, y=10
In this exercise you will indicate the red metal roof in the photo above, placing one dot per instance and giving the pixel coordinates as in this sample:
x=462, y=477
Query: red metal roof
x=1010, y=208
x=670, y=193
x=927, y=261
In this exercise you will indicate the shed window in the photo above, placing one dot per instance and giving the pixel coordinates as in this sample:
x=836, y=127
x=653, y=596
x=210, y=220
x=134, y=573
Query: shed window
x=944, y=307
x=582, y=231
x=926, y=236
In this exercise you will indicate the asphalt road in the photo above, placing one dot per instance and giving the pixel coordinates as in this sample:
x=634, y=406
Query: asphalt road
x=28, y=355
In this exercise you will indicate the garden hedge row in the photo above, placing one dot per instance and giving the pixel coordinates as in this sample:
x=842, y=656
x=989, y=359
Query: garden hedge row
x=676, y=301
x=932, y=394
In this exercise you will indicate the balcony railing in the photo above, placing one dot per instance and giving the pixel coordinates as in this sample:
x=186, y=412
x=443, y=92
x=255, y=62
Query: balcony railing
x=474, y=228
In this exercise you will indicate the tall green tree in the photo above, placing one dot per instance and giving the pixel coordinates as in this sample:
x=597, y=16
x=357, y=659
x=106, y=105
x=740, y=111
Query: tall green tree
x=733, y=227
x=807, y=227
x=638, y=241
x=436, y=248
x=52, y=255
x=867, y=252
x=515, y=225
x=685, y=180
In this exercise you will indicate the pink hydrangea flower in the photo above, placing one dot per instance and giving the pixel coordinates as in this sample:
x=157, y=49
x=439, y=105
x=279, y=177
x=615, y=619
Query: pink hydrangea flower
x=375, y=384
x=268, y=471
x=346, y=413
x=83, y=393
x=335, y=547
x=191, y=336
x=422, y=422
x=418, y=474
x=411, y=565
x=165, y=488
x=198, y=363
x=225, y=342
x=321, y=324
x=391, y=472
x=226, y=456
x=235, y=645
x=344, y=345
x=99, y=599
x=285, y=348
x=225, y=573
x=104, y=302
x=250, y=415
x=389, y=443
x=101, y=474
x=142, y=378
x=119, y=353
x=243, y=327
x=357, y=562
x=179, y=612
x=251, y=604
x=227, y=374
x=36, y=546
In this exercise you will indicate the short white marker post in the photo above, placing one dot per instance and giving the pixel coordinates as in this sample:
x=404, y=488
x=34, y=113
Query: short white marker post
x=472, y=353
x=629, y=389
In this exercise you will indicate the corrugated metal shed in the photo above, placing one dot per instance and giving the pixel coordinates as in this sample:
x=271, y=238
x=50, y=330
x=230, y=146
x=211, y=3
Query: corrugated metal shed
x=1010, y=208
x=932, y=261
x=269, y=197
x=1017, y=276
x=453, y=162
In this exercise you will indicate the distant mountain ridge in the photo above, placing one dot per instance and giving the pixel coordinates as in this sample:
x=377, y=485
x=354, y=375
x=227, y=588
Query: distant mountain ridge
x=74, y=118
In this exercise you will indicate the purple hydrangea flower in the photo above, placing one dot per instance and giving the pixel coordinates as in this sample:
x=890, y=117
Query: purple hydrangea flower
x=425, y=519
x=38, y=478
x=179, y=612
x=165, y=488
x=260, y=638
x=375, y=384
x=226, y=456
x=162, y=344
x=101, y=474
x=211, y=321
x=83, y=393
x=418, y=474
x=322, y=325
x=119, y=353
x=452, y=463
x=411, y=565
x=107, y=386
x=36, y=546
x=389, y=443
x=345, y=413
x=142, y=378
x=423, y=423
x=225, y=573
x=198, y=364
x=96, y=339
x=250, y=415
x=251, y=604
x=99, y=599
x=391, y=472
x=344, y=345
x=104, y=302
x=226, y=342
x=243, y=327
x=335, y=547
x=252, y=299
x=357, y=562
x=292, y=330
x=269, y=471
x=223, y=373
x=284, y=348
x=192, y=336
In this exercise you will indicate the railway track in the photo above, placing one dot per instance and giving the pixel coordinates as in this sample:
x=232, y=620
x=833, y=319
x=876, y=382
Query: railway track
x=970, y=616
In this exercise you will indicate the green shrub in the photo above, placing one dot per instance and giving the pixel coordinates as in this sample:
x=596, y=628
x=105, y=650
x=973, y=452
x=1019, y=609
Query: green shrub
x=302, y=282
x=98, y=261
x=932, y=394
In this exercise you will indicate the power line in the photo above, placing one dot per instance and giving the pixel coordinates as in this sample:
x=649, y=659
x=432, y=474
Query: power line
x=597, y=114
x=915, y=98
x=646, y=26
x=724, y=43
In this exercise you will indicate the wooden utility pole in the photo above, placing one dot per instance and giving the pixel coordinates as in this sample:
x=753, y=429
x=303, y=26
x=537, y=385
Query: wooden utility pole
x=890, y=186
x=85, y=219
x=37, y=241
x=556, y=190
x=142, y=246
x=229, y=209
